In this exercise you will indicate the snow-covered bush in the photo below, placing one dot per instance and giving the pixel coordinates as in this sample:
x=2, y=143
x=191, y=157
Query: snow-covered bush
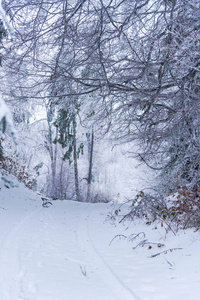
x=10, y=166
x=184, y=208
x=100, y=197
x=145, y=206
x=179, y=211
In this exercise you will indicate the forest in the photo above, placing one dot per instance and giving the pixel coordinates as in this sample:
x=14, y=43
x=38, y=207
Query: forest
x=79, y=77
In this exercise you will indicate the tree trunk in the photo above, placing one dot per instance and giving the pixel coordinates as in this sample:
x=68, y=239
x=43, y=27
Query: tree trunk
x=76, y=174
x=75, y=164
x=90, y=152
x=53, y=156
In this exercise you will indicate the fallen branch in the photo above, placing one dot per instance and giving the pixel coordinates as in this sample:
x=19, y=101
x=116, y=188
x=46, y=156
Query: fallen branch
x=165, y=252
x=46, y=202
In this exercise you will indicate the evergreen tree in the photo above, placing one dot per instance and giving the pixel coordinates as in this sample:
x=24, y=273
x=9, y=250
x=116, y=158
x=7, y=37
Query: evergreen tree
x=66, y=123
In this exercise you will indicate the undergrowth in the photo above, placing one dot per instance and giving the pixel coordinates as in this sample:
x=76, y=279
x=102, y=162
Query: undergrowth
x=180, y=210
x=10, y=166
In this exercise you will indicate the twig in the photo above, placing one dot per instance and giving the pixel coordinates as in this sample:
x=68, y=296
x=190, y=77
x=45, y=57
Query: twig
x=83, y=271
x=169, y=263
x=133, y=236
x=165, y=252
x=142, y=243
x=118, y=235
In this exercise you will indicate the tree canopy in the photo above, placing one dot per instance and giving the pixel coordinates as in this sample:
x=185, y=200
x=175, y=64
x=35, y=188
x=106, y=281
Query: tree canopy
x=137, y=64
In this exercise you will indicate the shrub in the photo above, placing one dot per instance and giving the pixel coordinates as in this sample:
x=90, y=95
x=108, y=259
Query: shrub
x=12, y=167
x=184, y=209
x=179, y=211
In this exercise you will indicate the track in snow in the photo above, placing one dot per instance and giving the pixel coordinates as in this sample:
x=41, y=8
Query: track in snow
x=98, y=264
x=49, y=255
x=11, y=274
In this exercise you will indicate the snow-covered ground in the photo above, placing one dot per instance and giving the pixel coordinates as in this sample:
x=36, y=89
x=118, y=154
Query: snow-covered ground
x=76, y=251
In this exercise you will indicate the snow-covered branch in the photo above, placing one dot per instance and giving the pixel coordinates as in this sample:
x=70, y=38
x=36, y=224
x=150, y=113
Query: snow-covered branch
x=6, y=120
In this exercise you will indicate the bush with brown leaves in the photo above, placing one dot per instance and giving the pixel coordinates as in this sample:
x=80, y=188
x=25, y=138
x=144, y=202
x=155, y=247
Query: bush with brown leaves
x=10, y=166
x=179, y=211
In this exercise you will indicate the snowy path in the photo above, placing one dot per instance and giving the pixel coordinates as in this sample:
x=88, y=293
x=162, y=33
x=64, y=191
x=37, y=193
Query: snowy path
x=72, y=251
x=100, y=267
x=53, y=258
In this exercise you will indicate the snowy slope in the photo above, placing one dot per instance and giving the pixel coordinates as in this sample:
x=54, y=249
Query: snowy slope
x=71, y=251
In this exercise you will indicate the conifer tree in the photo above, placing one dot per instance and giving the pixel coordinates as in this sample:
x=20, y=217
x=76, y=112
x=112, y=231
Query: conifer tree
x=66, y=123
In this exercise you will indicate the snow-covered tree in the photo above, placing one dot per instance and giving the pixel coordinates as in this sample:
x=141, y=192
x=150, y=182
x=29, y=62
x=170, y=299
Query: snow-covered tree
x=138, y=59
x=6, y=120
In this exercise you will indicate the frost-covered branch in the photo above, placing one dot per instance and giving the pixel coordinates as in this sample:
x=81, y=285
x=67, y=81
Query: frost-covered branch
x=6, y=120
x=5, y=20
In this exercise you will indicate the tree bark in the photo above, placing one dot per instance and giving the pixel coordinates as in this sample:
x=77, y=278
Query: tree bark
x=90, y=152
x=76, y=165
